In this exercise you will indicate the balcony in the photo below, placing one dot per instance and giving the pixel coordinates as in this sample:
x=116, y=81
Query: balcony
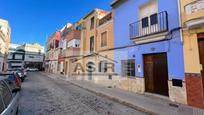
x=194, y=14
x=105, y=19
x=70, y=52
x=73, y=34
x=154, y=25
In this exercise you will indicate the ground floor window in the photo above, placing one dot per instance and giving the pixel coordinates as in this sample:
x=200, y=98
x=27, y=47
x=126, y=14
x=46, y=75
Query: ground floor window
x=128, y=67
x=103, y=66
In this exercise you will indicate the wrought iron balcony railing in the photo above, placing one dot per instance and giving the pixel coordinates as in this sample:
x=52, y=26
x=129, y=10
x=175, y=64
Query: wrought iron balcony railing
x=154, y=24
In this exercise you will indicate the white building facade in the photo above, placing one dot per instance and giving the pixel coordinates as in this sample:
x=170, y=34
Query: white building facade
x=26, y=56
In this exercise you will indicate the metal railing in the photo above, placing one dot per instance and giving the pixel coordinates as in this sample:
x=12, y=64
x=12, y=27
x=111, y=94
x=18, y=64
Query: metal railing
x=154, y=24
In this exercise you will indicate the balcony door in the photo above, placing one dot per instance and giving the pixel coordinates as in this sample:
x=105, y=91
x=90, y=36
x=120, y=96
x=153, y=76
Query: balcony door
x=92, y=44
x=149, y=18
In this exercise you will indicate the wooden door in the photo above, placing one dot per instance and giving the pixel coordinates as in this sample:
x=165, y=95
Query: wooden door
x=161, y=74
x=156, y=73
x=201, y=53
x=148, y=73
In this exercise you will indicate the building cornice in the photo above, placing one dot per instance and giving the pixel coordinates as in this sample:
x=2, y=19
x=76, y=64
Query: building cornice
x=115, y=3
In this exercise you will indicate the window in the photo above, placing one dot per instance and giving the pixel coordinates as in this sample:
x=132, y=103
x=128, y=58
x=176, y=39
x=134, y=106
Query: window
x=92, y=44
x=39, y=51
x=103, y=66
x=104, y=39
x=5, y=93
x=153, y=19
x=128, y=67
x=31, y=56
x=79, y=28
x=56, y=43
x=92, y=23
x=145, y=22
x=77, y=45
x=18, y=56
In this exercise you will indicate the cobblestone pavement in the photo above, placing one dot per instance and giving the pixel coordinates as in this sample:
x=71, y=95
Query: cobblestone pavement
x=42, y=95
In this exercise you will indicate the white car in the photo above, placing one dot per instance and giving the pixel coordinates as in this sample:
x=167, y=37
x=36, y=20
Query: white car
x=32, y=69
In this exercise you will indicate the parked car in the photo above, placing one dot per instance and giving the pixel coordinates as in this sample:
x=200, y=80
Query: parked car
x=20, y=73
x=9, y=98
x=24, y=71
x=13, y=80
x=32, y=69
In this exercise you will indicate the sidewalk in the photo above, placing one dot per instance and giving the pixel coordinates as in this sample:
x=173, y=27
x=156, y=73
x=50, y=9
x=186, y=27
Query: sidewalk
x=148, y=104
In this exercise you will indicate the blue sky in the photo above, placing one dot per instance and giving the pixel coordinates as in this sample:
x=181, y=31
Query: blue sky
x=32, y=20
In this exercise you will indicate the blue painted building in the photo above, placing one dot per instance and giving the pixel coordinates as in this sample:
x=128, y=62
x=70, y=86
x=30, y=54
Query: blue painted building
x=148, y=45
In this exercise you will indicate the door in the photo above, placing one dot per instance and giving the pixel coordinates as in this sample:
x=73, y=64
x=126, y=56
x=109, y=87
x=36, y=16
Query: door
x=156, y=73
x=148, y=73
x=201, y=53
x=66, y=65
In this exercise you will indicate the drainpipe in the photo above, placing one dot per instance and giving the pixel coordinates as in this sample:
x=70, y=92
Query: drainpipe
x=180, y=23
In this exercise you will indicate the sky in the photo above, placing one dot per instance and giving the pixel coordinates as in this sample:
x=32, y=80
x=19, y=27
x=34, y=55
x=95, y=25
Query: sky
x=32, y=21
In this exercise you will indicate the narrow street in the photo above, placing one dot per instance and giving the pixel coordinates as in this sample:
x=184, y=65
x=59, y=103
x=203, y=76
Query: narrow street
x=42, y=95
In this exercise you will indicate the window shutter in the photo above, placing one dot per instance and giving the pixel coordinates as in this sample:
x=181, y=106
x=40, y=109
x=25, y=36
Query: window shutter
x=153, y=19
x=145, y=22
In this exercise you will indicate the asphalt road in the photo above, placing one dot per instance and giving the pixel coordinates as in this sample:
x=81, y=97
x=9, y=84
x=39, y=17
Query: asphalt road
x=42, y=95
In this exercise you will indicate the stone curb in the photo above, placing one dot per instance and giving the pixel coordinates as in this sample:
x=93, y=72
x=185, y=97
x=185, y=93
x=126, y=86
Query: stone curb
x=115, y=99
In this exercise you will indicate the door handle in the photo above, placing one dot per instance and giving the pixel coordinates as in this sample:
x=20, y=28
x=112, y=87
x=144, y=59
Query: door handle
x=201, y=67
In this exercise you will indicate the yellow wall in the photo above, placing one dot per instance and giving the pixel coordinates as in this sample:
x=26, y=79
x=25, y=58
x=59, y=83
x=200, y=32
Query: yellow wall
x=101, y=57
x=189, y=17
x=90, y=33
x=96, y=32
x=191, y=51
x=87, y=32
x=70, y=64
x=107, y=27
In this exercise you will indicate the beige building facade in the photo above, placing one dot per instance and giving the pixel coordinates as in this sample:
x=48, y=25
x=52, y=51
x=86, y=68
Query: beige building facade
x=26, y=56
x=70, y=36
x=5, y=33
x=97, y=45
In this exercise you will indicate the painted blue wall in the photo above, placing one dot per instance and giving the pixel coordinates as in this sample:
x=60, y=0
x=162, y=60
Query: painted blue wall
x=127, y=13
